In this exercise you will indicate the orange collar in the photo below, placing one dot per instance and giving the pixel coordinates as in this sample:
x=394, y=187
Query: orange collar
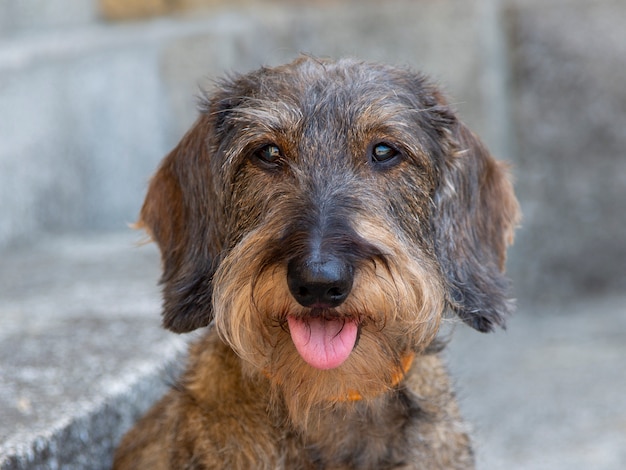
x=396, y=378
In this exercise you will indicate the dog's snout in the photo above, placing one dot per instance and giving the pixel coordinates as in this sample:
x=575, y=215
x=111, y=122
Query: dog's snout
x=320, y=283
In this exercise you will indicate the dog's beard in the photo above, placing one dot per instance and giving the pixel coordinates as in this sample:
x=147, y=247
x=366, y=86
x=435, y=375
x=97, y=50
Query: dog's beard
x=318, y=359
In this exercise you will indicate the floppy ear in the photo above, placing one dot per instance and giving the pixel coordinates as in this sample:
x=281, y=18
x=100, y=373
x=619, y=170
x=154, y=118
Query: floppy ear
x=180, y=212
x=475, y=215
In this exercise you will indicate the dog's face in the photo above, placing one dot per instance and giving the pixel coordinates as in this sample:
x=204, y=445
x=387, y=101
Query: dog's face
x=327, y=214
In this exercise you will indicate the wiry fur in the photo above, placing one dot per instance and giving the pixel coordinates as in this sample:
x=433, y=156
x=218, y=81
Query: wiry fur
x=425, y=234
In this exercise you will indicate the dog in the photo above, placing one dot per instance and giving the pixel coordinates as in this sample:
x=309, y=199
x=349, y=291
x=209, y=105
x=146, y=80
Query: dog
x=321, y=219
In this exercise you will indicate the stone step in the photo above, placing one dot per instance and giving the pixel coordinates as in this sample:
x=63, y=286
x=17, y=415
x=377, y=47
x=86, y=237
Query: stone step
x=85, y=121
x=549, y=393
x=82, y=353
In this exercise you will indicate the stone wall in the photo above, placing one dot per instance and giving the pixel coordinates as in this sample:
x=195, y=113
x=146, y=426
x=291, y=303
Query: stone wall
x=569, y=109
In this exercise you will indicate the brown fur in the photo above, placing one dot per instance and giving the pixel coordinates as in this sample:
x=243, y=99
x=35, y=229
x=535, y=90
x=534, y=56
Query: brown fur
x=423, y=234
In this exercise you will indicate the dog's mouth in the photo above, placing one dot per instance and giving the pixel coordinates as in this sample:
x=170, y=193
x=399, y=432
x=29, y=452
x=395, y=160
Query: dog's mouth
x=323, y=341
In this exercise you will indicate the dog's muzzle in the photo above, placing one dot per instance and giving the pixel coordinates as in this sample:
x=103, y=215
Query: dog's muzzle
x=323, y=338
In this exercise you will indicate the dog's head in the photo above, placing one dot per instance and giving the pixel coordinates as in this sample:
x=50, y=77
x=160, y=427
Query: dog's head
x=331, y=188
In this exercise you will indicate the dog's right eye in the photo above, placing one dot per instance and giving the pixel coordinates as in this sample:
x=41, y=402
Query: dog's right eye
x=269, y=154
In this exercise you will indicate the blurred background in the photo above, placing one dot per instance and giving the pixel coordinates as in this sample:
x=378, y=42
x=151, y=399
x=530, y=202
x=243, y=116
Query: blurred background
x=93, y=93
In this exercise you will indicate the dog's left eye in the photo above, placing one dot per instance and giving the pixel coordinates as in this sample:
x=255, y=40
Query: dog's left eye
x=382, y=153
x=269, y=154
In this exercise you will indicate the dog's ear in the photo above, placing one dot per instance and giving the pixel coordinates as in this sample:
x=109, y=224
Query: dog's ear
x=179, y=213
x=475, y=215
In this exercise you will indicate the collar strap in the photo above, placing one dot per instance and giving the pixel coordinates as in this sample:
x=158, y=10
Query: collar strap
x=396, y=378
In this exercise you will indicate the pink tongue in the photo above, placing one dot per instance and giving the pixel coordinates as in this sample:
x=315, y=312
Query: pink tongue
x=323, y=344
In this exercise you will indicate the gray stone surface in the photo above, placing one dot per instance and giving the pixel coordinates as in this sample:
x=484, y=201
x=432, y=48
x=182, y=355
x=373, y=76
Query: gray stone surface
x=548, y=393
x=82, y=127
x=81, y=350
x=570, y=112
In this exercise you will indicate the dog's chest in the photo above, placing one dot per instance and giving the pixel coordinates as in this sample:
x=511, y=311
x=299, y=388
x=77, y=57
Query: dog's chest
x=355, y=436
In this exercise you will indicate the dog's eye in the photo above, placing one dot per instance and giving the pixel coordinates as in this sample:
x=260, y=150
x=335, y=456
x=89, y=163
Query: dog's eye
x=382, y=153
x=269, y=154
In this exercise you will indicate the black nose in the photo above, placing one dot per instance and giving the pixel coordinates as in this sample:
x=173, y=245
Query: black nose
x=323, y=284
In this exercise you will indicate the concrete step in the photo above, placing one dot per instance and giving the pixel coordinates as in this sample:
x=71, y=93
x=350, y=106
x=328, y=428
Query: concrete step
x=84, y=122
x=549, y=393
x=82, y=355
